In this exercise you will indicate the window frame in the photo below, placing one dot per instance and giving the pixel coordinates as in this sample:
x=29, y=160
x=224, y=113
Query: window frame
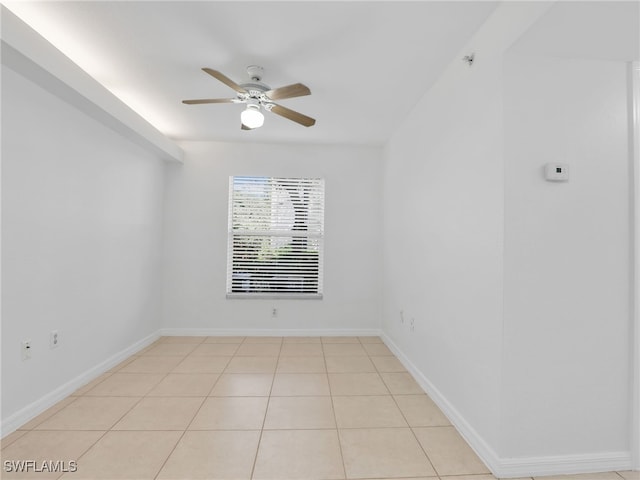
x=316, y=237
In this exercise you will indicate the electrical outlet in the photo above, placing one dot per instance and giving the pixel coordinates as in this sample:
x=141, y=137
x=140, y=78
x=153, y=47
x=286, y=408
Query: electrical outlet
x=26, y=349
x=274, y=312
x=54, y=339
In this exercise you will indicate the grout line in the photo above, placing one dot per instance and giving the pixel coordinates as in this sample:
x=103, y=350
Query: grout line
x=186, y=429
x=266, y=411
x=414, y=435
x=90, y=446
x=105, y=374
x=333, y=410
x=173, y=449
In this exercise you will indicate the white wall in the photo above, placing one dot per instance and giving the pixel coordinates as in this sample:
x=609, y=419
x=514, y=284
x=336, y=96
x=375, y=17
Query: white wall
x=81, y=241
x=519, y=288
x=196, y=238
x=567, y=258
x=635, y=338
x=443, y=243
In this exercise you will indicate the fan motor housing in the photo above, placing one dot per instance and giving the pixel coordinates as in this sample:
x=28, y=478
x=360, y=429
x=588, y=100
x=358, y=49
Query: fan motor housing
x=255, y=86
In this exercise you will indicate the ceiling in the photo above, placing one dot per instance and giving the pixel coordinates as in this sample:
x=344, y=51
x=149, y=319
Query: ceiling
x=598, y=31
x=366, y=63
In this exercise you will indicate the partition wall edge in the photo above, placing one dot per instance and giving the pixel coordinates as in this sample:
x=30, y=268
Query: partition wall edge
x=634, y=140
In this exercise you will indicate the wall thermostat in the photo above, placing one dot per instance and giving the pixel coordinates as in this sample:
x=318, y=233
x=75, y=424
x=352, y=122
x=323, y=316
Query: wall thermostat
x=556, y=172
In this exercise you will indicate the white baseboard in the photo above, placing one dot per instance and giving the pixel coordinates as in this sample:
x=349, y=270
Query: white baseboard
x=255, y=332
x=513, y=467
x=564, y=464
x=477, y=443
x=22, y=416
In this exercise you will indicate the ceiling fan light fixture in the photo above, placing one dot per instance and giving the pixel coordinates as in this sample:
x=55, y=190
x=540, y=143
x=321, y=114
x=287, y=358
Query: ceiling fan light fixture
x=252, y=117
x=258, y=96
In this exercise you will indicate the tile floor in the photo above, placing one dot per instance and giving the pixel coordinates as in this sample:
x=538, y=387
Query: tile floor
x=252, y=408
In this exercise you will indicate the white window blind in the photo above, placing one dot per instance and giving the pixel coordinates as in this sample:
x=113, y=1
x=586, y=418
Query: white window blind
x=276, y=229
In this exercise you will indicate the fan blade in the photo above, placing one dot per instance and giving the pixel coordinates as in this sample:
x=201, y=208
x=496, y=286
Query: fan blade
x=224, y=79
x=290, y=91
x=293, y=115
x=208, y=100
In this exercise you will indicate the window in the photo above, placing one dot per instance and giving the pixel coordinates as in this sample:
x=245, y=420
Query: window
x=276, y=229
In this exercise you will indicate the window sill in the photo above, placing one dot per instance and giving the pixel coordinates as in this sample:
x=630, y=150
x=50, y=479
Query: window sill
x=274, y=296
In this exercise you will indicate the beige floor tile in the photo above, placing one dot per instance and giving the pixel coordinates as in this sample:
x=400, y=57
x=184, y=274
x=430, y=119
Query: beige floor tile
x=231, y=413
x=401, y=383
x=90, y=413
x=48, y=413
x=243, y=385
x=182, y=339
x=126, y=361
x=301, y=365
x=126, y=385
x=371, y=339
x=237, y=340
x=126, y=455
x=296, y=384
x=202, y=364
x=310, y=454
x=301, y=340
x=161, y=413
x=301, y=350
x=224, y=349
x=384, y=452
x=277, y=340
x=47, y=446
x=85, y=388
x=212, y=455
x=357, y=384
x=258, y=349
x=252, y=365
x=379, y=349
x=12, y=437
x=478, y=477
x=142, y=351
x=299, y=413
x=343, y=349
x=420, y=411
x=367, y=412
x=448, y=452
x=185, y=385
x=481, y=477
x=387, y=364
x=151, y=364
x=171, y=349
x=357, y=364
x=583, y=476
x=339, y=340
x=628, y=475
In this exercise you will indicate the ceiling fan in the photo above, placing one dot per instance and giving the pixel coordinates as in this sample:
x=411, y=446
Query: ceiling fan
x=258, y=96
